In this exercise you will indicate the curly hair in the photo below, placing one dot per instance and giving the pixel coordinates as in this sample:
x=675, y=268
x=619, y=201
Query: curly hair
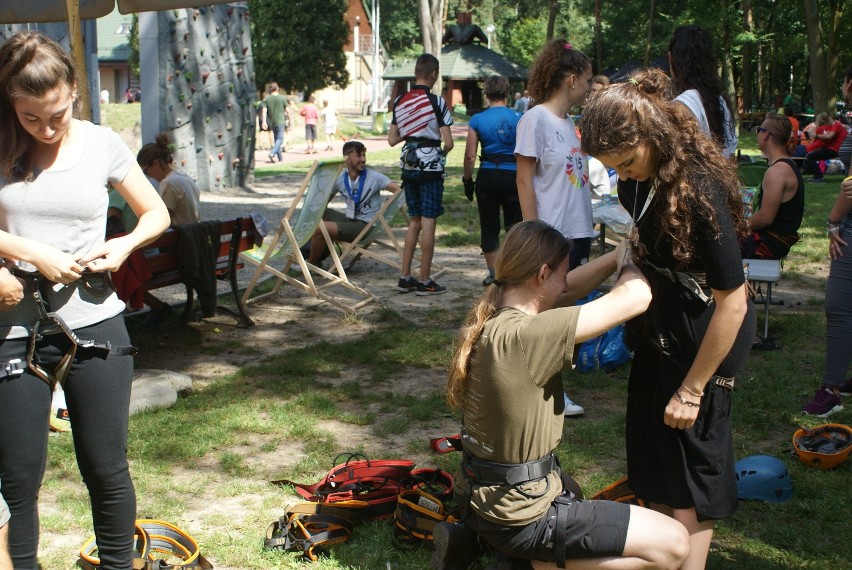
x=556, y=60
x=528, y=245
x=688, y=163
x=31, y=65
x=693, y=66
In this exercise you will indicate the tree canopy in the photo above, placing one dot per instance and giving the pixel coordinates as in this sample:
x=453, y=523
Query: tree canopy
x=765, y=48
x=299, y=43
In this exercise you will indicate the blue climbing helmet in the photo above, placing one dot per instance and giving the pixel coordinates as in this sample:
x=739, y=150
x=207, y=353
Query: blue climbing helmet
x=763, y=477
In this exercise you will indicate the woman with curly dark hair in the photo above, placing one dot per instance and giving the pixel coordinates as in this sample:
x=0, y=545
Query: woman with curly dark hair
x=693, y=67
x=698, y=330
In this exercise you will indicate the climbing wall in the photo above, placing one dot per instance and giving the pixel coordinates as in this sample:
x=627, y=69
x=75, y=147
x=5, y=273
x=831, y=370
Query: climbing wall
x=207, y=92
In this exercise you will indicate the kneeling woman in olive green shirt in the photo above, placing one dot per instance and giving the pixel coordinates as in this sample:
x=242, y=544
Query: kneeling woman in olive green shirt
x=506, y=377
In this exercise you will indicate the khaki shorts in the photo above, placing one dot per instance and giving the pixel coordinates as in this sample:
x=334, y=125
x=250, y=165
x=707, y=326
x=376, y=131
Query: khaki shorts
x=347, y=230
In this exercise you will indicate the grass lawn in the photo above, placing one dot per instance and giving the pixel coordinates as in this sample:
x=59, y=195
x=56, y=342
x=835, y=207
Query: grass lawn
x=200, y=452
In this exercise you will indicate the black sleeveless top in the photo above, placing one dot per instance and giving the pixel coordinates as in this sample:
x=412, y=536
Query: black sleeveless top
x=782, y=233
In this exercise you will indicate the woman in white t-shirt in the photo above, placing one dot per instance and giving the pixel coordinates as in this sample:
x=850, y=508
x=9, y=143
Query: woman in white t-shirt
x=553, y=173
x=693, y=68
x=180, y=192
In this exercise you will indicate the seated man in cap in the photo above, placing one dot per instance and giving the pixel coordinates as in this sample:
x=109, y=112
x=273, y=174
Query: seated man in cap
x=361, y=188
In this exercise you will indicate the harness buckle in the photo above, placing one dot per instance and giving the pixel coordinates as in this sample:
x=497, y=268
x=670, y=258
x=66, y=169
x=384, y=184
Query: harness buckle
x=13, y=368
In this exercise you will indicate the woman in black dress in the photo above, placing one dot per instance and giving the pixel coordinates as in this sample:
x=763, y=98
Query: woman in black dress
x=697, y=332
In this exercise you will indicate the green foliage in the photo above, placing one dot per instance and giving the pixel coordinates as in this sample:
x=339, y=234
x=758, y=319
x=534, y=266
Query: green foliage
x=777, y=38
x=522, y=41
x=133, y=42
x=400, y=29
x=299, y=45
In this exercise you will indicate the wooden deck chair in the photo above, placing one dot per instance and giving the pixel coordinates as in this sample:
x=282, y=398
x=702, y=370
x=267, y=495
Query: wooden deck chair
x=294, y=231
x=379, y=233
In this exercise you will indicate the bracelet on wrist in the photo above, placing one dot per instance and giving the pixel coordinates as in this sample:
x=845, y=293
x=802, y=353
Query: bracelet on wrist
x=691, y=392
x=833, y=229
x=677, y=396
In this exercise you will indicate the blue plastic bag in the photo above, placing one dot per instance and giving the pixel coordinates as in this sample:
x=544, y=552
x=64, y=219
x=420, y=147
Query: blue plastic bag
x=606, y=352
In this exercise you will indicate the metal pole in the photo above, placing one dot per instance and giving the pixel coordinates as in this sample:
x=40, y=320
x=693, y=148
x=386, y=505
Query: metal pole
x=377, y=73
x=149, y=75
x=75, y=40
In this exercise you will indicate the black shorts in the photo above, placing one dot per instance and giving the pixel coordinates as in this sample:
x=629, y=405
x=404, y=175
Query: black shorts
x=692, y=468
x=593, y=529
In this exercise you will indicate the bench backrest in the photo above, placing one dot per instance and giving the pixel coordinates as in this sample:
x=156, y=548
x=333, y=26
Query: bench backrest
x=165, y=260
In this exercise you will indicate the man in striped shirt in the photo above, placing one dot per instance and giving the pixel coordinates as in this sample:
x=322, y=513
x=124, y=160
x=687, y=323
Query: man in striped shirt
x=422, y=120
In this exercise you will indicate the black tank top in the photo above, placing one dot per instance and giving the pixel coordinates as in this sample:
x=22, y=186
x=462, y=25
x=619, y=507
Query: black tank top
x=789, y=216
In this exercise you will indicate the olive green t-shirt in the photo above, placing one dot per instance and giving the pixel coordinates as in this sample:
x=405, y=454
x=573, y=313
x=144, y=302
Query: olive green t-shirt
x=275, y=109
x=513, y=406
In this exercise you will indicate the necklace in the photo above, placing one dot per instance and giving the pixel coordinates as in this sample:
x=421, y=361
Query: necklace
x=634, y=230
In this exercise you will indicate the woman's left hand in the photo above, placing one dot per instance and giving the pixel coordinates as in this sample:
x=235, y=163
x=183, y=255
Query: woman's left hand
x=679, y=415
x=110, y=256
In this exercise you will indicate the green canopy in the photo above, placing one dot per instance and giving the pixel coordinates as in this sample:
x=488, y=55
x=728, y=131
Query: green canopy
x=465, y=61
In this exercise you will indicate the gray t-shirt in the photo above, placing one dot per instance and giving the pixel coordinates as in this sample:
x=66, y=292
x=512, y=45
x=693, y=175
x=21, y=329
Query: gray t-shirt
x=182, y=198
x=66, y=209
x=371, y=199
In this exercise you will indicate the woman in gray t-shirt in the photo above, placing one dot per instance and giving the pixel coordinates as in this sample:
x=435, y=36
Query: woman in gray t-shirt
x=54, y=172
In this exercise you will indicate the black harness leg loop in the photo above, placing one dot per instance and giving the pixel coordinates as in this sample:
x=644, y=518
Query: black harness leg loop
x=559, y=531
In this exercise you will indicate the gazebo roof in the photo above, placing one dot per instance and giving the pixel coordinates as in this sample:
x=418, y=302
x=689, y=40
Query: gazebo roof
x=465, y=61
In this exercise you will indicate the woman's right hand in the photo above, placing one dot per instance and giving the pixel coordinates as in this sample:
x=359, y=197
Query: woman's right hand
x=11, y=289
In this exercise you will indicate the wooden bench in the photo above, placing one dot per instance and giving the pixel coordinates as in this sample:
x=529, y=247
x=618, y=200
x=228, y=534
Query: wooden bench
x=235, y=236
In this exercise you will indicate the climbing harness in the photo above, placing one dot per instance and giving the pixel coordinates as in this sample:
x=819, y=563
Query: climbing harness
x=157, y=544
x=360, y=489
x=48, y=322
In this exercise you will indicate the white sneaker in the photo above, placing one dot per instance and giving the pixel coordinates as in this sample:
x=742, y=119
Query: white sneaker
x=572, y=409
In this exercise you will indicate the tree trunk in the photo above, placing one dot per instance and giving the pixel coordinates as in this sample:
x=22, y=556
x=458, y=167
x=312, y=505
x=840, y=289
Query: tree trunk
x=650, y=35
x=728, y=80
x=598, y=39
x=747, y=51
x=551, y=18
x=432, y=30
x=818, y=56
x=426, y=30
x=769, y=67
x=833, y=48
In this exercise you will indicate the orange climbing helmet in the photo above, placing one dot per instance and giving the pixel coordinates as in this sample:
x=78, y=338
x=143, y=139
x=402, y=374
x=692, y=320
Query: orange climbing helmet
x=825, y=446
